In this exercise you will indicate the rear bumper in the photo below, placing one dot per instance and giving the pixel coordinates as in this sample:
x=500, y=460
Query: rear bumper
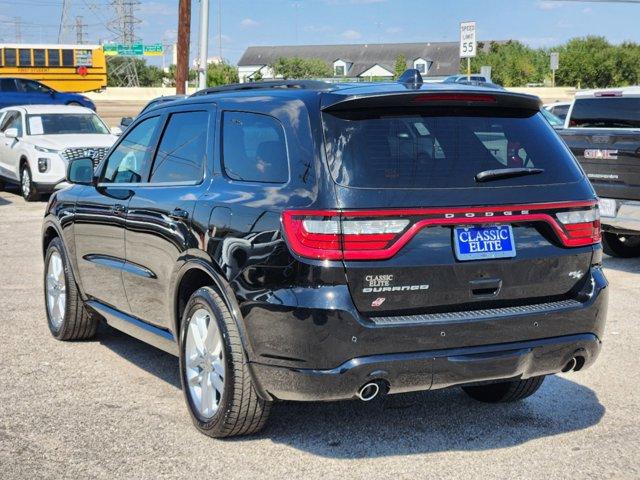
x=328, y=354
x=627, y=218
x=431, y=369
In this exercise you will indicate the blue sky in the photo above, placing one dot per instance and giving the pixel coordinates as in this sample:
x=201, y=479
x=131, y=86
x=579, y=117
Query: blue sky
x=274, y=22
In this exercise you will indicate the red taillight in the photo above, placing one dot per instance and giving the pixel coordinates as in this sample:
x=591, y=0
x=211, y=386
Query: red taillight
x=581, y=227
x=380, y=234
x=332, y=236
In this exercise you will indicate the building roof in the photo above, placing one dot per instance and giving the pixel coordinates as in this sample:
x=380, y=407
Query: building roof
x=444, y=55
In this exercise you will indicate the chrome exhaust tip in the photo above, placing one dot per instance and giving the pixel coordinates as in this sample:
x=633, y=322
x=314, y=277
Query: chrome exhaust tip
x=571, y=364
x=368, y=391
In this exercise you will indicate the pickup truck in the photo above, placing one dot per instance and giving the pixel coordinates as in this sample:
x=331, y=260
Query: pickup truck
x=602, y=129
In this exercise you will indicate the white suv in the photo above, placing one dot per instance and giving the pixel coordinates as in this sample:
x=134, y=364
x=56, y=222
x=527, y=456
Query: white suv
x=37, y=142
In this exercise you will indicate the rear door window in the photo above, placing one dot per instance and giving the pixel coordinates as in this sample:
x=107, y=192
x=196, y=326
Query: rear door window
x=8, y=85
x=10, y=57
x=254, y=148
x=442, y=148
x=608, y=112
x=182, y=151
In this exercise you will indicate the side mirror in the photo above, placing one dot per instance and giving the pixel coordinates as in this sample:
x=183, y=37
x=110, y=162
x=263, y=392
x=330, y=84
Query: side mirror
x=11, y=133
x=80, y=171
x=117, y=131
x=126, y=121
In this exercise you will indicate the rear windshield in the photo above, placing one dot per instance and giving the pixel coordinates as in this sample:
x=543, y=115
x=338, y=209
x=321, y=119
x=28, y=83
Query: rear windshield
x=65, y=123
x=608, y=112
x=443, y=148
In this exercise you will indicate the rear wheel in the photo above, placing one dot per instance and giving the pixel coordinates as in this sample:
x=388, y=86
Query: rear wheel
x=502, y=392
x=75, y=104
x=624, y=246
x=67, y=317
x=27, y=188
x=214, y=371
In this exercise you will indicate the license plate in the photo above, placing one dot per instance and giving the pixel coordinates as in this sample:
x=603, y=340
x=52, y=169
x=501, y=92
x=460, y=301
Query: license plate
x=607, y=207
x=480, y=243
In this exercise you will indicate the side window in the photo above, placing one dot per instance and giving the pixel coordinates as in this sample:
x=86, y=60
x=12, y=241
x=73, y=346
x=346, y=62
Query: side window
x=25, y=57
x=38, y=57
x=54, y=57
x=182, y=150
x=67, y=58
x=10, y=57
x=254, y=148
x=8, y=85
x=129, y=161
x=30, y=86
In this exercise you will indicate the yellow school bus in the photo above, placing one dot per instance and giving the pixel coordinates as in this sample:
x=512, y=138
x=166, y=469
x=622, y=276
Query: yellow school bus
x=65, y=68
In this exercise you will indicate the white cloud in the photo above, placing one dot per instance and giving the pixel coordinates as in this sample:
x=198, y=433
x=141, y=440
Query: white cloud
x=548, y=5
x=351, y=35
x=249, y=23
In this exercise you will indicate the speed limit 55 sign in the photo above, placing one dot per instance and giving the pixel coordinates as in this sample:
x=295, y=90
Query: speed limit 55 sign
x=468, y=39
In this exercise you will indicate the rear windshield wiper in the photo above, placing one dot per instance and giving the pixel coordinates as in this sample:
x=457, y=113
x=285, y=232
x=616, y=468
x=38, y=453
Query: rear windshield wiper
x=498, y=174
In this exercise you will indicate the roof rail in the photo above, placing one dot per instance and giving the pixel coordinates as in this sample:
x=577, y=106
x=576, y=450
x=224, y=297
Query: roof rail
x=266, y=85
x=411, y=78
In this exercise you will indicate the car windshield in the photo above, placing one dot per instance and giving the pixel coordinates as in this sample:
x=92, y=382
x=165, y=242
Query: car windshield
x=607, y=112
x=65, y=123
x=442, y=148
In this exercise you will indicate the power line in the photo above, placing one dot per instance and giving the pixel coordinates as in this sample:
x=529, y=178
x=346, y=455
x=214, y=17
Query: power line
x=80, y=31
x=17, y=23
x=62, y=30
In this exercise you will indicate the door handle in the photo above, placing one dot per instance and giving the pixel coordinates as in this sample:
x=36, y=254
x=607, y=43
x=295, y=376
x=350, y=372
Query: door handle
x=179, y=214
x=119, y=209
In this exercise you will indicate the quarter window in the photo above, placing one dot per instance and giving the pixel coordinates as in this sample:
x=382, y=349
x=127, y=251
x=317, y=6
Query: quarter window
x=130, y=160
x=182, y=151
x=254, y=148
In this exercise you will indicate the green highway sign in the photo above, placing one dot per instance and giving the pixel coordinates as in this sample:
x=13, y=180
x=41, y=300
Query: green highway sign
x=133, y=50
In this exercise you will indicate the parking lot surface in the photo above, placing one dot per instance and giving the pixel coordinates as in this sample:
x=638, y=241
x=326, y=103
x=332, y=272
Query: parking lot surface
x=112, y=407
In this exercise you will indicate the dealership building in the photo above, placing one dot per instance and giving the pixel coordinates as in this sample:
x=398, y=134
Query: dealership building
x=357, y=61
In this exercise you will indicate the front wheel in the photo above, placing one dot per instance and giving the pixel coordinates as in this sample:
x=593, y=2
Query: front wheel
x=67, y=317
x=27, y=188
x=502, y=392
x=214, y=371
x=624, y=246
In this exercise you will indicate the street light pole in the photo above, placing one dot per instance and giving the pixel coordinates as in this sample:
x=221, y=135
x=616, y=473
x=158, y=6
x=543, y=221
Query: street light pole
x=204, y=42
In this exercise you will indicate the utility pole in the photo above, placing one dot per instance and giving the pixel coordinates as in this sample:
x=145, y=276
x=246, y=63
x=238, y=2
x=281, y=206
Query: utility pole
x=182, y=61
x=220, y=30
x=17, y=22
x=204, y=41
x=80, y=31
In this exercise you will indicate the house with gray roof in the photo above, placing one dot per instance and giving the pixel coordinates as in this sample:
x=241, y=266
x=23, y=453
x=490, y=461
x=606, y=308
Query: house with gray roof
x=357, y=61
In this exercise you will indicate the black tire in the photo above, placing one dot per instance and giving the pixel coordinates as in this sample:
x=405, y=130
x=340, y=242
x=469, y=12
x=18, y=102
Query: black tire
x=2, y=184
x=623, y=246
x=503, y=392
x=27, y=189
x=74, y=104
x=77, y=323
x=241, y=411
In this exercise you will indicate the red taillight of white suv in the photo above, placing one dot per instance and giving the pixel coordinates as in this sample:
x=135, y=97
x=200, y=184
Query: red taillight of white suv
x=380, y=234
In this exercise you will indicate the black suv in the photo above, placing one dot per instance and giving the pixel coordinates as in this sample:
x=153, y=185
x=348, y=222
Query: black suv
x=308, y=241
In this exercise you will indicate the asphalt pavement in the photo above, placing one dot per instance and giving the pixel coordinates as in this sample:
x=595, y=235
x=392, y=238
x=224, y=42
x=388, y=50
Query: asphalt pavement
x=112, y=407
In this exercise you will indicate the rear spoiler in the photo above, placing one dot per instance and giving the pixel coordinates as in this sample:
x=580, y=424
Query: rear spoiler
x=430, y=96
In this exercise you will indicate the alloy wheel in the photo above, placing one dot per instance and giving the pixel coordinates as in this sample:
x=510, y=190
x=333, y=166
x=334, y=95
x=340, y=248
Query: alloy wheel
x=204, y=366
x=26, y=183
x=56, y=290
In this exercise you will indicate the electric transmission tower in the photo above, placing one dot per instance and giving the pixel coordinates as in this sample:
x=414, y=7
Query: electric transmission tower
x=80, y=30
x=17, y=22
x=124, y=72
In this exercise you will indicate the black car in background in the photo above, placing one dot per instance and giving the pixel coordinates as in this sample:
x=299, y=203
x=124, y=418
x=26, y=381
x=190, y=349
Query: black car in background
x=309, y=241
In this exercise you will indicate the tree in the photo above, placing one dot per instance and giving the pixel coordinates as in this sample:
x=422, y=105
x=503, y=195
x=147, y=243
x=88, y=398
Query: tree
x=401, y=66
x=148, y=75
x=512, y=63
x=221, y=73
x=296, y=67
